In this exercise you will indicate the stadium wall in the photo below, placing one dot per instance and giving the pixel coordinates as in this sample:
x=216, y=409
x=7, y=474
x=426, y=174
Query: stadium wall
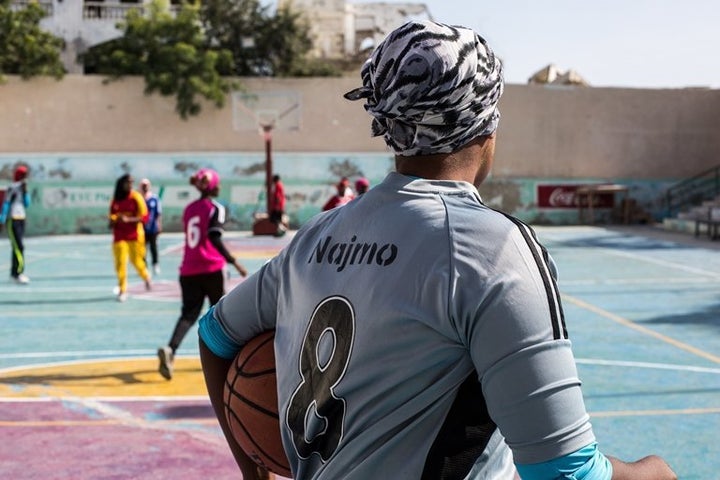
x=79, y=134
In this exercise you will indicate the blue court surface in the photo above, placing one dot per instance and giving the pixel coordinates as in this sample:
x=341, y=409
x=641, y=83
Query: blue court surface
x=79, y=381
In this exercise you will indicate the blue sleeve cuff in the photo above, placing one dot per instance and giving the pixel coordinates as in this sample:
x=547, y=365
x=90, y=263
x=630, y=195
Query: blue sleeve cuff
x=584, y=464
x=26, y=199
x=214, y=336
x=4, y=212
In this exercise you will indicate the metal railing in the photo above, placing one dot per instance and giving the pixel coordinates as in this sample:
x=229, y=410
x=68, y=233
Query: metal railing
x=46, y=5
x=693, y=191
x=116, y=11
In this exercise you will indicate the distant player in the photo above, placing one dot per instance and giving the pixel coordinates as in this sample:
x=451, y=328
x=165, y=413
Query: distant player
x=12, y=215
x=277, y=204
x=362, y=185
x=202, y=271
x=153, y=226
x=342, y=195
x=419, y=334
x=128, y=212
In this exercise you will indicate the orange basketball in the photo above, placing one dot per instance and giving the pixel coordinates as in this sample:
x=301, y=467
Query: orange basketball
x=251, y=404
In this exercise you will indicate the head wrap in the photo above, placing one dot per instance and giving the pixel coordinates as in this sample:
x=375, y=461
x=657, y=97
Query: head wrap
x=431, y=88
x=205, y=180
x=20, y=173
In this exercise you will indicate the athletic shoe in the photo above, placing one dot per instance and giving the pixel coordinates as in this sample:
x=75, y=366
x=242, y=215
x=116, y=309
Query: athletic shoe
x=122, y=297
x=167, y=359
x=22, y=279
x=156, y=269
x=148, y=285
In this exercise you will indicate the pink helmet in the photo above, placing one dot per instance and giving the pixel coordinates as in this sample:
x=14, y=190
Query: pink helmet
x=20, y=173
x=362, y=183
x=205, y=179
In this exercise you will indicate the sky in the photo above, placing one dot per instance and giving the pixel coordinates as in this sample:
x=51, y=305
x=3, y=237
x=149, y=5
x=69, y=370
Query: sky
x=610, y=43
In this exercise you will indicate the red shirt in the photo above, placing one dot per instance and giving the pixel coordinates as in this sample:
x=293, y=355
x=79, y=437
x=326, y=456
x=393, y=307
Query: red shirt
x=131, y=206
x=277, y=197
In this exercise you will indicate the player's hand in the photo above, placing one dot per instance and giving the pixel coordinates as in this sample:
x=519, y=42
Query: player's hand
x=252, y=471
x=651, y=467
x=241, y=270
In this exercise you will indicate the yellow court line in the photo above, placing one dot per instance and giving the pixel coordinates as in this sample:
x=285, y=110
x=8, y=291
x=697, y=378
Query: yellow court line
x=639, y=328
x=635, y=413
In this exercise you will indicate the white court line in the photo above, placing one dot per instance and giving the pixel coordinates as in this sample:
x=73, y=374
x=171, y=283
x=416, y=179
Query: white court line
x=84, y=353
x=144, y=355
x=659, y=366
x=635, y=256
x=664, y=263
x=644, y=330
x=637, y=281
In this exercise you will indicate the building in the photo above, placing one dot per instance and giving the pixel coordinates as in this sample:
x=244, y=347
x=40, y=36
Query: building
x=83, y=24
x=339, y=29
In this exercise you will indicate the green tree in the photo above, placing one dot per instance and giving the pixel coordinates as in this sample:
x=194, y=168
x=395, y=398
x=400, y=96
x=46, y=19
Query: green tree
x=25, y=49
x=262, y=43
x=171, y=52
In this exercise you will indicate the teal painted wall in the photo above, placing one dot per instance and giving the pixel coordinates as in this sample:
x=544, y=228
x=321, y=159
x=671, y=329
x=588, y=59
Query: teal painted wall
x=71, y=192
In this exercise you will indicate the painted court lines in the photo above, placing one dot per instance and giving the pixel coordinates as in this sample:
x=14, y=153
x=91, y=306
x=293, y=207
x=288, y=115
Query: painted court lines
x=79, y=385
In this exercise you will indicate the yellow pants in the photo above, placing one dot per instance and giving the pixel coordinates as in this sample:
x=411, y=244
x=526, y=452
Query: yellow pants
x=133, y=251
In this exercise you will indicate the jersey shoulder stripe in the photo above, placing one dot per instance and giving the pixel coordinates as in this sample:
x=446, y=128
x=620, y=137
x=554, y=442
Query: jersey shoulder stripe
x=542, y=260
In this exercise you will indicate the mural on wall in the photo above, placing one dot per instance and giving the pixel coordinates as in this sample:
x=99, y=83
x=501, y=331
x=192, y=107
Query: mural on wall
x=71, y=192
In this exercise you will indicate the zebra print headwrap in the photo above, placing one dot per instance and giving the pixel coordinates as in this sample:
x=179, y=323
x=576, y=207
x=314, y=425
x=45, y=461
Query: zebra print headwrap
x=431, y=88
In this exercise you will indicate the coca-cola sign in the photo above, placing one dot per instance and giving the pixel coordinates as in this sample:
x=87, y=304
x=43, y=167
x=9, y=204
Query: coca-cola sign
x=565, y=196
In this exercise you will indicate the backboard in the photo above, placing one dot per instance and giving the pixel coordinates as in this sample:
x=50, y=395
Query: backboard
x=260, y=110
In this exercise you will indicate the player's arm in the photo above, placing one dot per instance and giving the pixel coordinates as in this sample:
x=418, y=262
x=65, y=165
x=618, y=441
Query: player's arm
x=143, y=215
x=25, y=194
x=215, y=369
x=215, y=236
x=4, y=211
x=530, y=381
x=159, y=216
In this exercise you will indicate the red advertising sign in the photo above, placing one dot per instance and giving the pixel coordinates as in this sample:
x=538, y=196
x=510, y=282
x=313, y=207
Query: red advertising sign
x=565, y=196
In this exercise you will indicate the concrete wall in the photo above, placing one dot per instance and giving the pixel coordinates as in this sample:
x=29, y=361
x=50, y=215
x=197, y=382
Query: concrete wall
x=79, y=134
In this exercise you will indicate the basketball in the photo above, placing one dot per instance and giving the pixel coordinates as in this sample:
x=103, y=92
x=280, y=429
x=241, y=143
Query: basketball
x=251, y=404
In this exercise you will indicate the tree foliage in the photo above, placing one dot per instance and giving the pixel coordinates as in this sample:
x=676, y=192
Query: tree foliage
x=171, y=52
x=25, y=49
x=262, y=42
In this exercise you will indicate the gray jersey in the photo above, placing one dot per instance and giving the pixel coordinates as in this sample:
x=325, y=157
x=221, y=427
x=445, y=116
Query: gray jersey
x=419, y=334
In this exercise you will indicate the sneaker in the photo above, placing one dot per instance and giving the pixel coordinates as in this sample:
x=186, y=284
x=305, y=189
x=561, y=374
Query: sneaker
x=22, y=279
x=148, y=285
x=156, y=269
x=166, y=362
x=122, y=297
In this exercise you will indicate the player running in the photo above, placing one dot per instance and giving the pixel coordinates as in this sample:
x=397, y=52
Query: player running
x=202, y=271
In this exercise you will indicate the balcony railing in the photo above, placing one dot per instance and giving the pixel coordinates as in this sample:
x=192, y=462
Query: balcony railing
x=115, y=11
x=46, y=5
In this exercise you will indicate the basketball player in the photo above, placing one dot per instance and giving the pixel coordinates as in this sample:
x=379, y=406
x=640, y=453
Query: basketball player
x=13, y=212
x=153, y=226
x=128, y=213
x=419, y=333
x=202, y=271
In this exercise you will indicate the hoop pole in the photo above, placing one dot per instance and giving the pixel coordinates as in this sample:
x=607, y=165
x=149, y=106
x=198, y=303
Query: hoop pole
x=267, y=134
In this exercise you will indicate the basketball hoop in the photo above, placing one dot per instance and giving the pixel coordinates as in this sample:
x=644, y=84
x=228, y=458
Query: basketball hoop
x=266, y=111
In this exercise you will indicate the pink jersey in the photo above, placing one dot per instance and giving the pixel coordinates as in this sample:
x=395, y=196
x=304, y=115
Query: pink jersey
x=200, y=218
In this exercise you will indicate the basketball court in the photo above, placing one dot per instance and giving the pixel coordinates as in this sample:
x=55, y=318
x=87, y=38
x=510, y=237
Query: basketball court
x=80, y=396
